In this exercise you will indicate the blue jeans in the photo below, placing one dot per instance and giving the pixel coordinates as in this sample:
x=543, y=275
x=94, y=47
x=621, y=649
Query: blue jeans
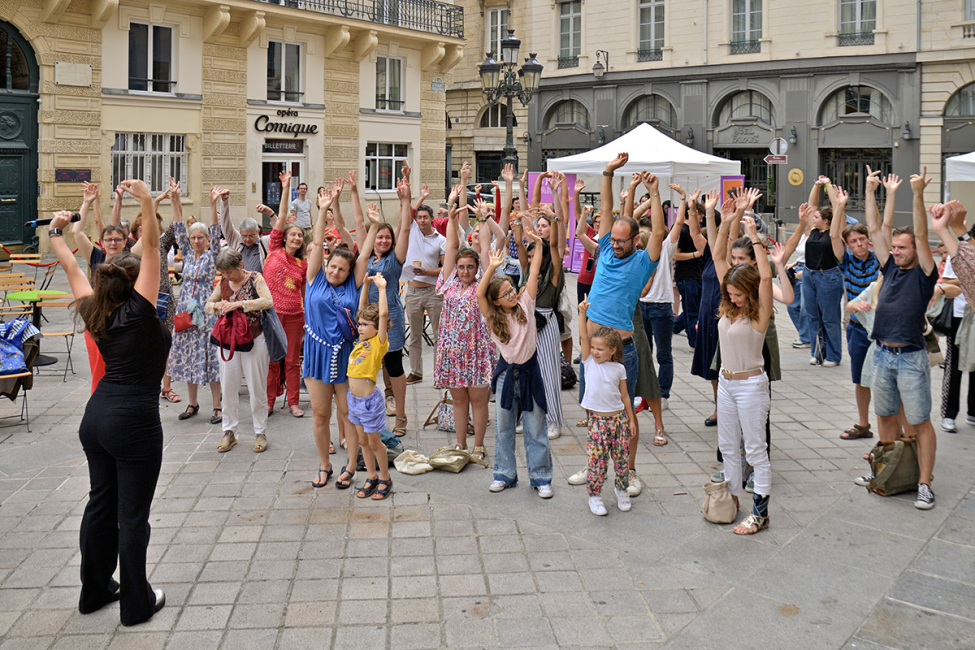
x=537, y=454
x=658, y=321
x=796, y=313
x=822, y=293
x=690, y=301
x=630, y=361
x=902, y=378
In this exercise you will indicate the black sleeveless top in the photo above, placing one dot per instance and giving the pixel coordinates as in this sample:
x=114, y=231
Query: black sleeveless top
x=136, y=346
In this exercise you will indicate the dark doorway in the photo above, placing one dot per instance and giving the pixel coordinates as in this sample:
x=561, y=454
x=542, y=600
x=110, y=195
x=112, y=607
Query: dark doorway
x=755, y=170
x=18, y=135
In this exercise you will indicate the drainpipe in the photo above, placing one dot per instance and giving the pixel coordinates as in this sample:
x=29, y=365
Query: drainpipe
x=706, y=29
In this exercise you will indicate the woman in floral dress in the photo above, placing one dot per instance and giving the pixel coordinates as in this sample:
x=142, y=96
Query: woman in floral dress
x=193, y=358
x=465, y=353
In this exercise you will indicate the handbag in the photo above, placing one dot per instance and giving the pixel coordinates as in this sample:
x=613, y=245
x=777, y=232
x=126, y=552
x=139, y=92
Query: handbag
x=184, y=319
x=348, y=326
x=232, y=332
x=451, y=459
x=443, y=416
x=894, y=466
x=718, y=506
x=941, y=315
x=274, y=336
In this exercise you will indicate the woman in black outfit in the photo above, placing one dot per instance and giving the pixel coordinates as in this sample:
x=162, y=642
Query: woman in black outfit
x=120, y=432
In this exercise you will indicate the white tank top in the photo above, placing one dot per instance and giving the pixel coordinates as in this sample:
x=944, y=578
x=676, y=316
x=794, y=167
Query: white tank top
x=741, y=345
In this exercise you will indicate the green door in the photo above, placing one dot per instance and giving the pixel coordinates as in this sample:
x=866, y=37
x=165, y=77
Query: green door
x=18, y=136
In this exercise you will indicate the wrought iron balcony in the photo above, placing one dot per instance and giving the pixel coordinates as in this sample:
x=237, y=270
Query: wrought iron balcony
x=856, y=38
x=650, y=55
x=745, y=47
x=421, y=15
x=568, y=62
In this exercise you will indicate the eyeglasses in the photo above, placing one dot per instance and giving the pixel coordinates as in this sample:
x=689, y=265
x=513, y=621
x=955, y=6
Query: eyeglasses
x=507, y=294
x=113, y=241
x=620, y=242
x=196, y=238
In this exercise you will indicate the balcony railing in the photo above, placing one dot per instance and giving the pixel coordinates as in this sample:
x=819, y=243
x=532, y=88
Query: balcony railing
x=968, y=31
x=568, y=62
x=745, y=47
x=421, y=15
x=386, y=104
x=650, y=55
x=856, y=38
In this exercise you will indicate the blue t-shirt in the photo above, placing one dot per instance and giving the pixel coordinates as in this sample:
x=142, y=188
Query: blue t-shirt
x=617, y=286
x=321, y=311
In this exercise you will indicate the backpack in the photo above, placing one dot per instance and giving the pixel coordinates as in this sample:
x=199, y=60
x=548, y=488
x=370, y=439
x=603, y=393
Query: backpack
x=895, y=468
x=568, y=374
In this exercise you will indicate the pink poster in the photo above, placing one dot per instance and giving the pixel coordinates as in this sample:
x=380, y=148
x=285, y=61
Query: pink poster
x=570, y=179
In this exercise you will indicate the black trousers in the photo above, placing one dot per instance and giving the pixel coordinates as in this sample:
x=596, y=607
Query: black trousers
x=122, y=438
x=951, y=384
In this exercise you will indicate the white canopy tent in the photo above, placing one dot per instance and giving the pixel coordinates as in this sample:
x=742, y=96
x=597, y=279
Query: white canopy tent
x=652, y=151
x=960, y=168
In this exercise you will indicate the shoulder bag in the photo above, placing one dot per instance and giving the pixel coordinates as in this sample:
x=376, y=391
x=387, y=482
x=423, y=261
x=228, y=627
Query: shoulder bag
x=184, y=319
x=346, y=319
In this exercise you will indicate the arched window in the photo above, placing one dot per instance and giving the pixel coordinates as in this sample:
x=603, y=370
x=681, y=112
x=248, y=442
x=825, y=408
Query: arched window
x=857, y=101
x=496, y=116
x=568, y=112
x=19, y=72
x=747, y=104
x=962, y=103
x=650, y=108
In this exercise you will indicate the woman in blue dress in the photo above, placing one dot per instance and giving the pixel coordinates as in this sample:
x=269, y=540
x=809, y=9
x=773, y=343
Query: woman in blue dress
x=707, y=325
x=331, y=303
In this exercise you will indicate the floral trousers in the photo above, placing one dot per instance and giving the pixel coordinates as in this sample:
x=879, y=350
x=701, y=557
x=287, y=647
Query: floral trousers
x=609, y=436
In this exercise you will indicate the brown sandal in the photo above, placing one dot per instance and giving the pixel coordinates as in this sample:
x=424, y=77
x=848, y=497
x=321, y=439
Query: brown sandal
x=857, y=432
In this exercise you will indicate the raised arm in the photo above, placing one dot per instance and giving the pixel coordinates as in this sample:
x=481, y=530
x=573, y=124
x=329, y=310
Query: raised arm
x=582, y=231
x=117, y=206
x=940, y=221
x=681, y=214
x=358, y=220
x=563, y=224
x=147, y=284
x=362, y=262
x=659, y=222
x=813, y=200
x=871, y=212
x=765, y=273
x=78, y=228
x=627, y=209
x=497, y=259
x=784, y=292
x=536, y=266
x=537, y=190
x=96, y=206
x=344, y=233
x=364, y=293
x=175, y=195
x=839, y=199
x=583, y=330
x=523, y=190
x=918, y=184
x=453, y=240
x=719, y=246
x=805, y=214
x=891, y=183
x=606, y=201
x=316, y=255
x=76, y=277
x=380, y=283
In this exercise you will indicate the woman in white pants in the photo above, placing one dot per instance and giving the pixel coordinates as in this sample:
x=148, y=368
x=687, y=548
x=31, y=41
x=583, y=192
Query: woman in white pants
x=245, y=291
x=743, y=397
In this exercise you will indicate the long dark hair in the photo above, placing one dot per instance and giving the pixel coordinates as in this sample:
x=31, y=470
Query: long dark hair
x=113, y=282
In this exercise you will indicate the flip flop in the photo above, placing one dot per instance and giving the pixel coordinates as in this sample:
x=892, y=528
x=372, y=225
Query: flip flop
x=171, y=396
x=660, y=438
x=321, y=483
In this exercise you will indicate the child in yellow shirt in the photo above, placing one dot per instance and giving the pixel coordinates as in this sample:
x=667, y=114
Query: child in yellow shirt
x=367, y=407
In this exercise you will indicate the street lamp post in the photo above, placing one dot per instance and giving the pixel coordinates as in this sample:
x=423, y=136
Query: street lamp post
x=502, y=80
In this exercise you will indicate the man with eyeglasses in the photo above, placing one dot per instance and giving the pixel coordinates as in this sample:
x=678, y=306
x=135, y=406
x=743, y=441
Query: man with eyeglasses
x=246, y=239
x=112, y=238
x=424, y=257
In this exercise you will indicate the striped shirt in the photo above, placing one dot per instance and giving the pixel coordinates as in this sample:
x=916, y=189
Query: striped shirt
x=857, y=273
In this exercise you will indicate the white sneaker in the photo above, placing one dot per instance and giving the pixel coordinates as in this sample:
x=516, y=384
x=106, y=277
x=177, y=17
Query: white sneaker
x=663, y=404
x=597, y=507
x=498, y=486
x=635, y=485
x=830, y=364
x=813, y=362
x=863, y=481
x=799, y=345
x=519, y=429
x=622, y=500
x=545, y=491
x=948, y=424
x=580, y=478
x=554, y=430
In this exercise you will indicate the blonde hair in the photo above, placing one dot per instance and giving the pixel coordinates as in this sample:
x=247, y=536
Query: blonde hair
x=612, y=338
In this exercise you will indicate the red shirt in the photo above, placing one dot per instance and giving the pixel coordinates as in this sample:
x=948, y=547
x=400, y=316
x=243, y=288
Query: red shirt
x=285, y=276
x=587, y=274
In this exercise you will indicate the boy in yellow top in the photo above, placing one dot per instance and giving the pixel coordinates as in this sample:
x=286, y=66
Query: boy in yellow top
x=367, y=407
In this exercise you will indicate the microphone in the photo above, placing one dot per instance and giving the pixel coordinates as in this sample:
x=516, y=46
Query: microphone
x=47, y=222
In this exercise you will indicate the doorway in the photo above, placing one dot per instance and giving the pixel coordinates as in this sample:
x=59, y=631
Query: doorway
x=755, y=170
x=271, y=167
x=18, y=136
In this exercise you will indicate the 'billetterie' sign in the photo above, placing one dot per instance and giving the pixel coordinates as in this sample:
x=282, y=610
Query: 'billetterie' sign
x=264, y=123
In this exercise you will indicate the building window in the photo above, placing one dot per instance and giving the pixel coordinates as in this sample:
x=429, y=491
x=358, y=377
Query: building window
x=746, y=26
x=653, y=109
x=151, y=157
x=570, y=33
x=857, y=101
x=962, y=103
x=969, y=10
x=747, y=104
x=858, y=19
x=151, y=58
x=568, y=113
x=651, y=30
x=497, y=30
x=384, y=163
x=389, y=83
x=489, y=166
x=496, y=117
x=283, y=72
x=848, y=169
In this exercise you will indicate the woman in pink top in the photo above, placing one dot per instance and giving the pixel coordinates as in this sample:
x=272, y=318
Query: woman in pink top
x=284, y=273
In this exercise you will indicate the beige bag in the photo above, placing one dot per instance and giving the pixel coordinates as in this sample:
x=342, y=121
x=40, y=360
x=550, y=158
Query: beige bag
x=718, y=506
x=412, y=462
x=453, y=460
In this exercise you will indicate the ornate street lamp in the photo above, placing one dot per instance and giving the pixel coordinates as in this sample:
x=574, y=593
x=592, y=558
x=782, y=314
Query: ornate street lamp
x=503, y=80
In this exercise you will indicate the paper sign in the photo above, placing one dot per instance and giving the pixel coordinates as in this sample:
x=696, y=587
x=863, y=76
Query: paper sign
x=729, y=183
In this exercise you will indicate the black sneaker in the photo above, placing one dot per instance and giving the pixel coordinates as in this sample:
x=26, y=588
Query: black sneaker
x=925, y=497
x=863, y=481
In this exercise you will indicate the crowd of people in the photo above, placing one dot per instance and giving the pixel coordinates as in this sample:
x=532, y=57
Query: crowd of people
x=486, y=282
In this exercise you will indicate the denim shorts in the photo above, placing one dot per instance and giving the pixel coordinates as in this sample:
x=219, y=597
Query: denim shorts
x=902, y=379
x=369, y=412
x=632, y=364
x=857, y=344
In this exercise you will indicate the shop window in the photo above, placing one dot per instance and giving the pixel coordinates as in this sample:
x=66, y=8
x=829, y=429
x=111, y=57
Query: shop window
x=848, y=169
x=389, y=83
x=497, y=23
x=496, y=117
x=384, y=163
x=653, y=109
x=858, y=19
x=747, y=104
x=857, y=101
x=651, y=19
x=283, y=72
x=568, y=113
x=746, y=26
x=151, y=58
x=962, y=103
x=151, y=157
x=570, y=33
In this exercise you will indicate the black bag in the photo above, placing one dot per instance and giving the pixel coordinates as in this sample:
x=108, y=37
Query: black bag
x=569, y=378
x=274, y=336
x=942, y=321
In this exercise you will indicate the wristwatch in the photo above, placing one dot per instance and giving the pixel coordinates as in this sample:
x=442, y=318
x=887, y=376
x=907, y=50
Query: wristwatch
x=965, y=236
x=55, y=232
x=606, y=173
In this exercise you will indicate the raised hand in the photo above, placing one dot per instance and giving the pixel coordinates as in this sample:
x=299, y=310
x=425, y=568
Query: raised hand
x=635, y=179
x=587, y=210
x=338, y=187
x=711, y=200
x=137, y=189
x=580, y=185
x=873, y=180
x=465, y=173
x=617, y=162
x=263, y=209
x=806, y=212
x=531, y=234
x=379, y=281
x=695, y=197
x=424, y=192
x=728, y=209
x=325, y=197
x=372, y=213
x=583, y=308
x=778, y=254
x=215, y=194
x=405, y=170
x=454, y=193
x=508, y=173
x=61, y=219
x=650, y=181
x=403, y=190
x=741, y=200
x=480, y=209
x=751, y=228
x=497, y=259
x=822, y=180
x=174, y=188
x=352, y=184
x=89, y=192
x=958, y=216
x=119, y=192
x=940, y=216
x=477, y=189
x=680, y=190
x=523, y=179
x=285, y=178
x=753, y=195
x=840, y=197
x=920, y=181
x=892, y=182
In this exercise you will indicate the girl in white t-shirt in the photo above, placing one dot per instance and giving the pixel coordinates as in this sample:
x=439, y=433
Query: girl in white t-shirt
x=611, y=419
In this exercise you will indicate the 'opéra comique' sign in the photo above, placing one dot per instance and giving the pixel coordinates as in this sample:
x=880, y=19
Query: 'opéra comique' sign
x=264, y=123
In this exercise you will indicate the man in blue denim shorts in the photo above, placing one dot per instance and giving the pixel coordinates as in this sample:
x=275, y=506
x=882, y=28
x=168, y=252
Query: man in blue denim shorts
x=901, y=371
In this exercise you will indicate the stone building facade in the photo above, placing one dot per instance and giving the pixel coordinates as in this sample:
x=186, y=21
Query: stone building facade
x=219, y=93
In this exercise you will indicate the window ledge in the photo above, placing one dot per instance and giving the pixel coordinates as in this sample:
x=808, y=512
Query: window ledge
x=264, y=102
x=373, y=111
x=151, y=95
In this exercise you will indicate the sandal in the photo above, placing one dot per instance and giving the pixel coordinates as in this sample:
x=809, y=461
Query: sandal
x=260, y=443
x=751, y=525
x=344, y=481
x=321, y=483
x=297, y=412
x=190, y=411
x=171, y=396
x=660, y=438
x=216, y=419
x=228, y=442
x=390, y=406
x=367, y=488
x=479, y=453
x=400, y=429
x=331, y=449
x=384, y=491
x=583, y=422
x=857, y=432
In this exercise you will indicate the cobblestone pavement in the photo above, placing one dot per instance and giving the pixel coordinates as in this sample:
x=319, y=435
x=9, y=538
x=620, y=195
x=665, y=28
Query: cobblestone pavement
x=250, y=555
